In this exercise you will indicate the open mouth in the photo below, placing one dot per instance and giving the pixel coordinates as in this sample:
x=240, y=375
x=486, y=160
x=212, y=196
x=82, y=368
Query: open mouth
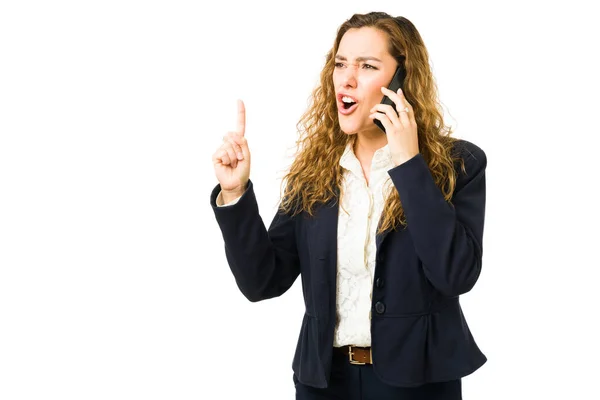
x=346, y=103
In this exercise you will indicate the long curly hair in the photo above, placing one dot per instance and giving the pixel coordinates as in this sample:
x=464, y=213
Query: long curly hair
x=315, y=176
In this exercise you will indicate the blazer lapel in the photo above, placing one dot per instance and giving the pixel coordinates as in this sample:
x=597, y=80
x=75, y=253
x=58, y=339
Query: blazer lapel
x=323, y=253
x=380, y=237
x=324, y=231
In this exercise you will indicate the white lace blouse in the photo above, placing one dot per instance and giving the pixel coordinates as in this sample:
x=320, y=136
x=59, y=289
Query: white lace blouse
x=359, y=213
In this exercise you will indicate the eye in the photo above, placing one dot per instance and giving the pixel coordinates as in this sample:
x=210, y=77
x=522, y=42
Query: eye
x=339, y=65
x=368, y=66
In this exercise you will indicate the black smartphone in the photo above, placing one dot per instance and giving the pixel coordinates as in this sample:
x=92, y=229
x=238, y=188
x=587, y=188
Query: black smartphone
x=396, y=83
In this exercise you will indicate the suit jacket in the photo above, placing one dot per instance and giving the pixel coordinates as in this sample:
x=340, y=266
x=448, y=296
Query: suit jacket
x=418, y=332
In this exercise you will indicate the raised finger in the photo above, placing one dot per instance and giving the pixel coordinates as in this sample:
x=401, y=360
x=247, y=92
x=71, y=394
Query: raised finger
x=241, y=118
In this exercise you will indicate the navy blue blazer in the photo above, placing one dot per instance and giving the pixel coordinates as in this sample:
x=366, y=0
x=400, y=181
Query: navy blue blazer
x=418, y=332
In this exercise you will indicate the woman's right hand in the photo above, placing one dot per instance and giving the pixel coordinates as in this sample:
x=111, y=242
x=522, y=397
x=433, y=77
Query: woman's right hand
x=232, y=159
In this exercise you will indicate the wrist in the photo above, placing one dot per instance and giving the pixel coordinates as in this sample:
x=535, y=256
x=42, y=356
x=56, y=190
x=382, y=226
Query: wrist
x=230, y=195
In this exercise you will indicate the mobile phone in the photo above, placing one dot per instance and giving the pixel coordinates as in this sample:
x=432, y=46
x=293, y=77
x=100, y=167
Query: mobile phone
x=396, y=83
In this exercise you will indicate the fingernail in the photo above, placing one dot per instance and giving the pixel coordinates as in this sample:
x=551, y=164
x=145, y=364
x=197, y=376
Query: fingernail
x=240, y=156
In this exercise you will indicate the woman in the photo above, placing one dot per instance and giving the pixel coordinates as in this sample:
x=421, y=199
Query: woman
x=384, y=228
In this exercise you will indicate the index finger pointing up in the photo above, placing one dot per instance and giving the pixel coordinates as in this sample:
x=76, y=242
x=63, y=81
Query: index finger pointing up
x=241, y=119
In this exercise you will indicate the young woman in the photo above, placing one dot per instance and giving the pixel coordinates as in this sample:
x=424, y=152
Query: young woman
x=384, y=228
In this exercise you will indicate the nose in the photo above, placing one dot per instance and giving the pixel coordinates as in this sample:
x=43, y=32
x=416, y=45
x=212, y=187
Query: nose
x=349, y=77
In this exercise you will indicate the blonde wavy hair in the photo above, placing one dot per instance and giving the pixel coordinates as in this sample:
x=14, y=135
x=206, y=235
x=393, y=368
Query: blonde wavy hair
x=315, y=175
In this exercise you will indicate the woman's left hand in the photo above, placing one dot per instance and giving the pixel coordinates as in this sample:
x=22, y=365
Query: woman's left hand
x=400, y=127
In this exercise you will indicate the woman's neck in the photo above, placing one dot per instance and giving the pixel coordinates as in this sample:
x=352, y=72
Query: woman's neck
x=367, y=143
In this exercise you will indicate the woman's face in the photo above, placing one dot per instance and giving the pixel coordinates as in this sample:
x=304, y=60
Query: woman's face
x=363, y=66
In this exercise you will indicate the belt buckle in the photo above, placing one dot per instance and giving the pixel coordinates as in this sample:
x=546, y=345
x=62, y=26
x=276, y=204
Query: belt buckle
x=352, y=360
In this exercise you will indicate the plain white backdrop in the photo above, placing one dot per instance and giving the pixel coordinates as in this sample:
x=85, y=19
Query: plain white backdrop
x=113, y=278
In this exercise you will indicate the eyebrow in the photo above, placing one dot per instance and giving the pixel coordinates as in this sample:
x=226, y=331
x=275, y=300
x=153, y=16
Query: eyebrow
x=358, y=58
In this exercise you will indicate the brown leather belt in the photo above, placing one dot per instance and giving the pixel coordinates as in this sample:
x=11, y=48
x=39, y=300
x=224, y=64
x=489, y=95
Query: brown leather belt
x=356, y=355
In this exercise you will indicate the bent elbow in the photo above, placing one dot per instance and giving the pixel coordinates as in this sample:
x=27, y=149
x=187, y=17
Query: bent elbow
x=459, y=283
x=253, y=295
x=256, y=293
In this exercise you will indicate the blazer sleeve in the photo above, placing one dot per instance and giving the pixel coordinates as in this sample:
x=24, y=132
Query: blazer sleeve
x=264, y=262
x=447, y=237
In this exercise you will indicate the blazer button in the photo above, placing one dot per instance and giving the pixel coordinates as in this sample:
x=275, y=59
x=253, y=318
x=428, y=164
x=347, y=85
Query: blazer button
x=379, y=282
x=379, y=307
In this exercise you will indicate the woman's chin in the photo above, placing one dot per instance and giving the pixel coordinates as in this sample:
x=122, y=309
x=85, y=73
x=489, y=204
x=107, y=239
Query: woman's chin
x=350, y=128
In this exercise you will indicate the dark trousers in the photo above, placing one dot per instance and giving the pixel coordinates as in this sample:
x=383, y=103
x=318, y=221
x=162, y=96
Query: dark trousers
x=359, y=382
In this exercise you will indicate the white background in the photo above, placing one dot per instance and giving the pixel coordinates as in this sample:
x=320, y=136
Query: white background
x=113, y=279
